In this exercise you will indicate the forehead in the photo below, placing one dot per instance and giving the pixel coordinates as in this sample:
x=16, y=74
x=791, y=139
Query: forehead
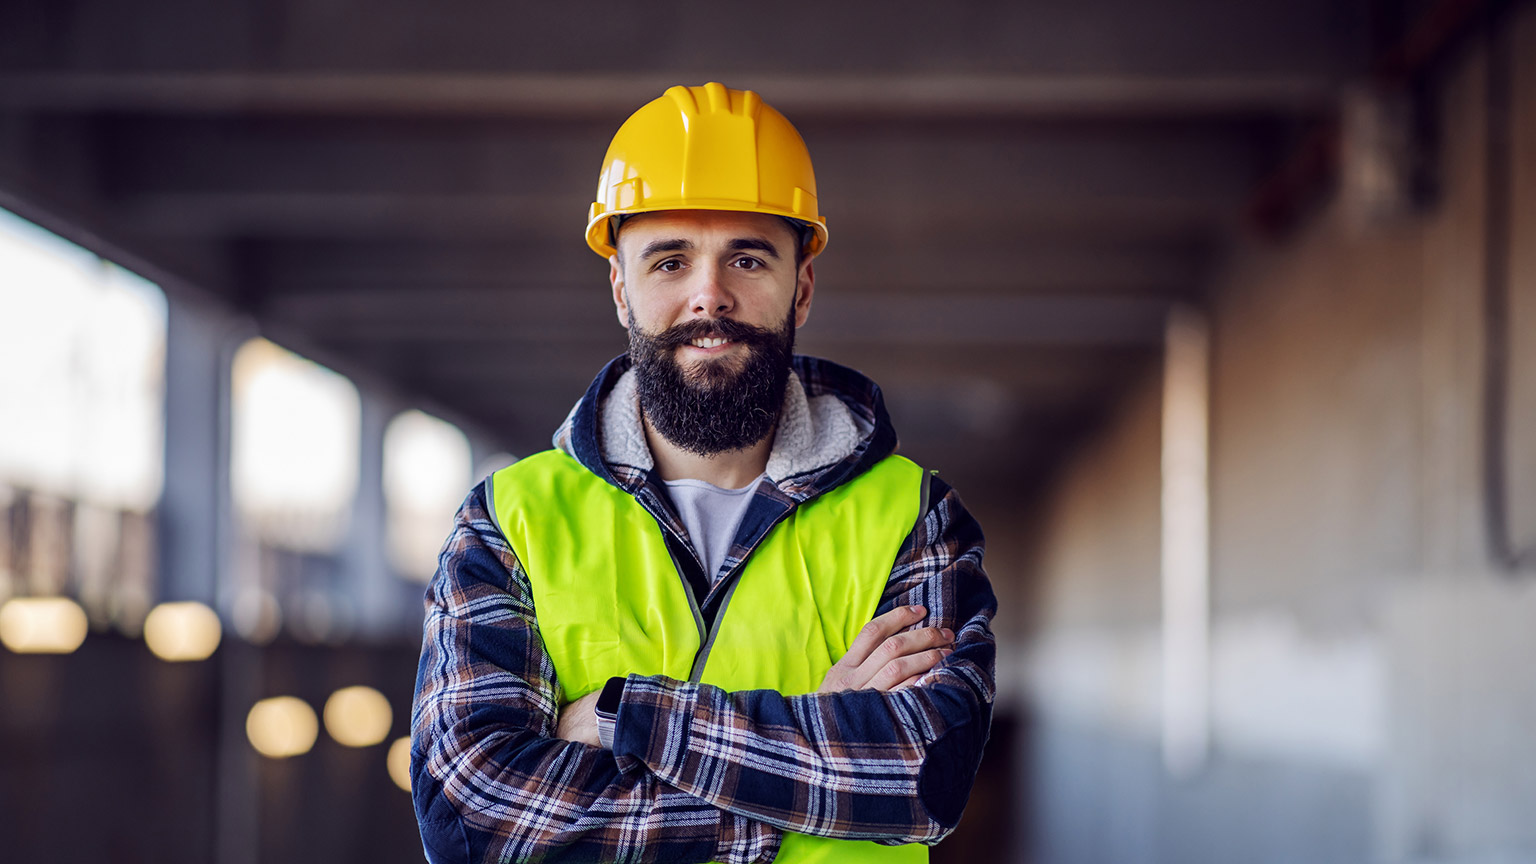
x=704, y=227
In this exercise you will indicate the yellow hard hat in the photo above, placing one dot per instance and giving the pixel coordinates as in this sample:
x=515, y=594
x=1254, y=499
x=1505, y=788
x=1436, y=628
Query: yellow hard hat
x=706, y=148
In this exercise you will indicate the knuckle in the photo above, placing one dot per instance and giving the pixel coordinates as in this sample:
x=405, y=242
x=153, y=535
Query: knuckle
x=917, y=664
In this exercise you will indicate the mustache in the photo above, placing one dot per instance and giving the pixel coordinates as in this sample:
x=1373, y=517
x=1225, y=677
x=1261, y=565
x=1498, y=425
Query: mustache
x=720, y=328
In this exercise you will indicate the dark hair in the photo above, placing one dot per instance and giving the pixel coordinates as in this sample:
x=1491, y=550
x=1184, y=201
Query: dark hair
x=804, y=234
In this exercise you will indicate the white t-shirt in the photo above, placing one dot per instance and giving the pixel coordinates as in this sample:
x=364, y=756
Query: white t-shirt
x=711, y=515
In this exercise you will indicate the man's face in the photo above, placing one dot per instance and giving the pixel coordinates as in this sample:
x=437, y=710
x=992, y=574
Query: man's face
x=711, y=300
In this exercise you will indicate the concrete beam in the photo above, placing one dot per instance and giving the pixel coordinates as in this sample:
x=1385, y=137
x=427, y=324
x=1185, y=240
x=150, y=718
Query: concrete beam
x=549, y=321
x=613, y=39
x=519, y=166
x=601, y=97
x=367, y=278
x=524, y=376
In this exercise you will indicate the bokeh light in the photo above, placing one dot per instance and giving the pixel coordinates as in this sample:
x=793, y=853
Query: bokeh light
x=42, y=625
x=399, y=762
x=282, y=726
x=358, y=716
x=182, y=631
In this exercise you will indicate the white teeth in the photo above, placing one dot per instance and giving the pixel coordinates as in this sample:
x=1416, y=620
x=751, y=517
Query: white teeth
x=709, y=343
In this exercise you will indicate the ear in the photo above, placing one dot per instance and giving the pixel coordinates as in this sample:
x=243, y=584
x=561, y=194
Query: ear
x=616, y=279
x=805, y=286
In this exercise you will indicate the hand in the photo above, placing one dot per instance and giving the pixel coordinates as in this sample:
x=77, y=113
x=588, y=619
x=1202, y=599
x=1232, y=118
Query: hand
x=578, y=720
x=883, y=658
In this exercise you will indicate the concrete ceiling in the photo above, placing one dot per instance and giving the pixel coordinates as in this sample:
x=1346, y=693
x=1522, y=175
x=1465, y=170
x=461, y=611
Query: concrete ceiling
x=1016, y=192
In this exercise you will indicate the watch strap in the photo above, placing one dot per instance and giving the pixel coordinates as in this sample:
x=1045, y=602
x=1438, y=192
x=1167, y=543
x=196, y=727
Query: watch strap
x=607, y=710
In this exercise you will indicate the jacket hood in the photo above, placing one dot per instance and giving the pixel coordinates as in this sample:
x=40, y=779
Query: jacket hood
x=833, y=425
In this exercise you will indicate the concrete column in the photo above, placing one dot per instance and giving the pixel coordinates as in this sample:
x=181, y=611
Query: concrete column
x=196, y=532
x=195, y=513
x=368, y=584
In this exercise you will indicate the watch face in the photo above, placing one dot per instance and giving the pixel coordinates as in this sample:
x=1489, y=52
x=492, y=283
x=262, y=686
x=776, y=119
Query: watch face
x=608, y=700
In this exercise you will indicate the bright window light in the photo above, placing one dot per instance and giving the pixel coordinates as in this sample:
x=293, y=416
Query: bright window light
x=82, y=363
x=426, y=475
x=1186, y=544
x=294, y=447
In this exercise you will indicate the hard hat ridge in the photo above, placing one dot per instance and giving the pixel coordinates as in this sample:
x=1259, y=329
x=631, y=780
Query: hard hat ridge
x=706, y=148
x=718, y=100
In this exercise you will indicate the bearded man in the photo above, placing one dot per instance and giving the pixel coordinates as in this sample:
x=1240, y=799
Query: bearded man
x=721, y=620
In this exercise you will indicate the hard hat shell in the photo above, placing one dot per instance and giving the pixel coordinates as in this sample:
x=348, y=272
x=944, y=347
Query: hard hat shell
x=706, y=148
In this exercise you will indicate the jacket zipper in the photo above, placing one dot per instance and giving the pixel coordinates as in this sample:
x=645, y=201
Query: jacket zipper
x=734, y=577
x=707, y=634
x=693, y=602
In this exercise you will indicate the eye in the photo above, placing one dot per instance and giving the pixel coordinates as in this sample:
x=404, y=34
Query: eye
x=671, y=265
x=747, y=262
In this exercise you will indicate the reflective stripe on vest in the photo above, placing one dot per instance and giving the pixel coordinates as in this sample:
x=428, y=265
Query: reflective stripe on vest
x=610, y=601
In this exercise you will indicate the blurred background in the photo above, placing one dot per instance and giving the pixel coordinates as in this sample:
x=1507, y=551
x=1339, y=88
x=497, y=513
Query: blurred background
x=1221, y=316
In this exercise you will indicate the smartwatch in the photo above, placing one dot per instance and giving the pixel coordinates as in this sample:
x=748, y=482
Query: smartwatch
x=607, y=710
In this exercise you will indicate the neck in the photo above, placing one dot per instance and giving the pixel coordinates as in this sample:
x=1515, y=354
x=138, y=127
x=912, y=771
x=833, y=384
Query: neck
x=732, y=469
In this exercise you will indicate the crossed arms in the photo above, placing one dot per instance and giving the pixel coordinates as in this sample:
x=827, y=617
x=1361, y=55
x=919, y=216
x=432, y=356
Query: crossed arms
x=696, y=773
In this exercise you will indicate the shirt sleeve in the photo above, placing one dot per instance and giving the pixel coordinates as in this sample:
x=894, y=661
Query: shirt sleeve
x=892, y=767
x=490, y=781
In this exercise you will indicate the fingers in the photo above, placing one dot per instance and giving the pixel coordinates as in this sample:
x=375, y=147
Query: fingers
x=915, y=678
x=898, y=657
x=877, y=631
x=910, y=642
x=905, y=670
x=883, y=657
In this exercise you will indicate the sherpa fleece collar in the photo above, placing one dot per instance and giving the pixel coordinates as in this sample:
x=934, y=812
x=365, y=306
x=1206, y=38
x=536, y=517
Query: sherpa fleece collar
x=832, y=418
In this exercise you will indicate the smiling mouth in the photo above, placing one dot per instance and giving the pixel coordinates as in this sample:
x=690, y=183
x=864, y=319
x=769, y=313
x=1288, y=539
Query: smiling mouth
x=710, y=342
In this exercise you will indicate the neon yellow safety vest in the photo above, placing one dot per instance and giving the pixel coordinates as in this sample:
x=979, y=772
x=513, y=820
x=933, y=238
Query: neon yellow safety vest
x=611, y=602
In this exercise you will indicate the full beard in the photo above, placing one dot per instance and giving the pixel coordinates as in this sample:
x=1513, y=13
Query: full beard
x=718, y=405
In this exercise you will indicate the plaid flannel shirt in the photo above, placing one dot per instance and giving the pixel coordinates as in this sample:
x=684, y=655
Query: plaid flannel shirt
x=696, y=773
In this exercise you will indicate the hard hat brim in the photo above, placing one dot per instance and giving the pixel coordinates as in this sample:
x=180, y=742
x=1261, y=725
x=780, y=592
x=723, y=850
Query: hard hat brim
x=600, y=241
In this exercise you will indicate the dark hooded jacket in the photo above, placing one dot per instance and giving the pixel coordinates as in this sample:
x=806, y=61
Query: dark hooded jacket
x=491, y=781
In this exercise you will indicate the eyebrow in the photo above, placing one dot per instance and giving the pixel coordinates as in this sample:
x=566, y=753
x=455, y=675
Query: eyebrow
x=740, y=244
x=657, y=247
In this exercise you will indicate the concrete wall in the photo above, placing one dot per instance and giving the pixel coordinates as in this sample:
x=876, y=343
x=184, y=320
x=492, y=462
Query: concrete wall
x=1370, y=699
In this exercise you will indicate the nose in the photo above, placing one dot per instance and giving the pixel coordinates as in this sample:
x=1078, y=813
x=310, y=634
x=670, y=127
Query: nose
x=709, y=296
